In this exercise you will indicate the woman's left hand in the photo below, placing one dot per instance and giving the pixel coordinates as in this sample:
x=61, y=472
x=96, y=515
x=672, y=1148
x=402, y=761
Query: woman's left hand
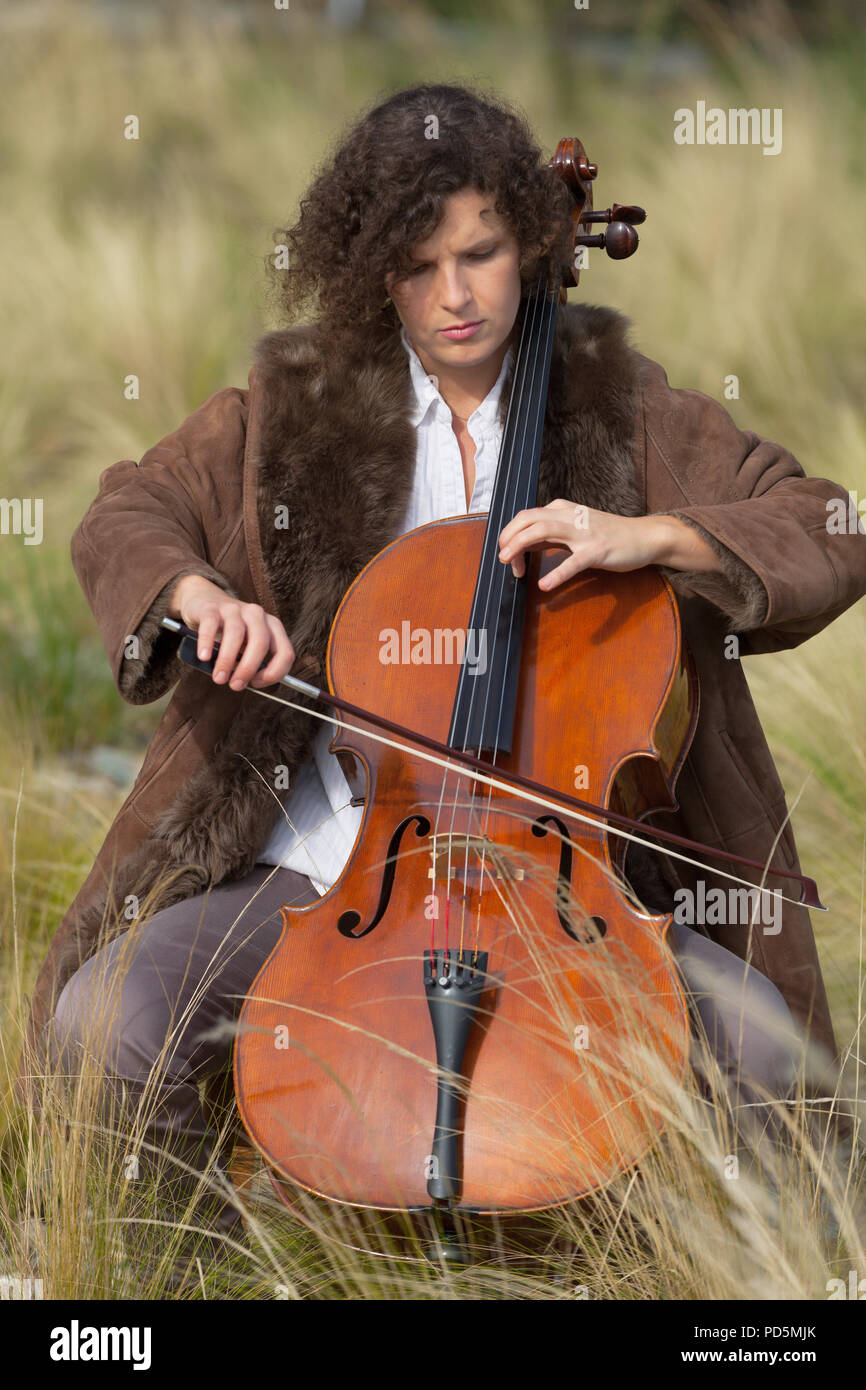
x=600, y=540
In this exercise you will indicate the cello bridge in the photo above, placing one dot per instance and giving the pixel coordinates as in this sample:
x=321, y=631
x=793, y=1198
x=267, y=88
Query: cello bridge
x=467, y=857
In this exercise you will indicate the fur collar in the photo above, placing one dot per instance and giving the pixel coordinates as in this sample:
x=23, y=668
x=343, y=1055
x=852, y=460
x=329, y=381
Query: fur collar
x=337, y=450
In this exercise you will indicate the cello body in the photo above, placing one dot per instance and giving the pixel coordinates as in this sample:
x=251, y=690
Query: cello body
x=577, y=1003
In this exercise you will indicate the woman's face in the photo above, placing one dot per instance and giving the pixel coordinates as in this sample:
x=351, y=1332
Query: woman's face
x=466, y=272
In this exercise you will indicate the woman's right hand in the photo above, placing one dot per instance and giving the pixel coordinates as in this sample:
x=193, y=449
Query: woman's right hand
x=209, y=611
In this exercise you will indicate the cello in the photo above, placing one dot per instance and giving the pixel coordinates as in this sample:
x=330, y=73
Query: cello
x=467, y=1026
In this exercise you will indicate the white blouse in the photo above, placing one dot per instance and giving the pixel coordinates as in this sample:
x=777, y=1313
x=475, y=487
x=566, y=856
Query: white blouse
x=315, y=830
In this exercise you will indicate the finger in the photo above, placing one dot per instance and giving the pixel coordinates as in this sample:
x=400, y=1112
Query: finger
x=283, y=657
x=258, y=645
x=556, y=517
x=531, y=537
x=234, y=632
x=209, y=626
x=515, y=546
x=516, y=524
x=566, y=570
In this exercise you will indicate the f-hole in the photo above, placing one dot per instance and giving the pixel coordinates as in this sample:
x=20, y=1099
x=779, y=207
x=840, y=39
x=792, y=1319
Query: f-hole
x=348, y=921
x=594, y=928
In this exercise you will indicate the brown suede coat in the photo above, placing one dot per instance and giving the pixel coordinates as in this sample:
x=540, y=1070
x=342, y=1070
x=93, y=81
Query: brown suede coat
x=329, y=438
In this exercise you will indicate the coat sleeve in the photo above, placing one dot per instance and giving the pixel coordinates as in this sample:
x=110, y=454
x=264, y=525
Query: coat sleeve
x=151, y=523
x=787, y=570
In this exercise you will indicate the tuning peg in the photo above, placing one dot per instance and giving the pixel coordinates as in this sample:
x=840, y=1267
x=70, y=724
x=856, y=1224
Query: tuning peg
x=617, y=213
x=620, y=240
x=631, y=213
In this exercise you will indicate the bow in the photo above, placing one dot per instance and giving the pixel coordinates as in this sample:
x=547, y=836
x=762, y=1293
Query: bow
x=510, y=782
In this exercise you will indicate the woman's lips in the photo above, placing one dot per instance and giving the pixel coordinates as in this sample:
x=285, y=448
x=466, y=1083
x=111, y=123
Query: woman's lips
x=465, y=331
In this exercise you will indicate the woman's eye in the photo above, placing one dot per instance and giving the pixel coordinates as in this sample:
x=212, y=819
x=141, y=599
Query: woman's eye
x=482, y=255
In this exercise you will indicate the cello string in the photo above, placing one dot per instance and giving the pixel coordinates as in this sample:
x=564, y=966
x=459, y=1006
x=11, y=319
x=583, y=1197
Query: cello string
x=525, y=388
x=514, y=406
x=512, y=503
x=496, y=576
x=530, y=497
x=500, y=505
x=538, y=403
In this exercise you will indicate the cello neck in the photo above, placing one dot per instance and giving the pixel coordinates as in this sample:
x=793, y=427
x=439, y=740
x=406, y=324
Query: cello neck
x=485, y=705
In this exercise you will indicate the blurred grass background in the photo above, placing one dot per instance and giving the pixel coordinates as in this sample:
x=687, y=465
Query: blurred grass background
x=146, y=257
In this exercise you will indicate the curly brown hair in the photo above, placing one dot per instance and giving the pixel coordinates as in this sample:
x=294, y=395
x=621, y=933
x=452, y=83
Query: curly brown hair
x=382, y=191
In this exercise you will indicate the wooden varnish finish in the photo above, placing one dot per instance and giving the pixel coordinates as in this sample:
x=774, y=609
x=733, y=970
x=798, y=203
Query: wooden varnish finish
x=347, y=1109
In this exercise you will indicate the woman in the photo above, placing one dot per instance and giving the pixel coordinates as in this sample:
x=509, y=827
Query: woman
x=414, y=249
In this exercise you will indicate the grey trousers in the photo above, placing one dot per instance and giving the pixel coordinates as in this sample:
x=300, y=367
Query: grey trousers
x=172, y=990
